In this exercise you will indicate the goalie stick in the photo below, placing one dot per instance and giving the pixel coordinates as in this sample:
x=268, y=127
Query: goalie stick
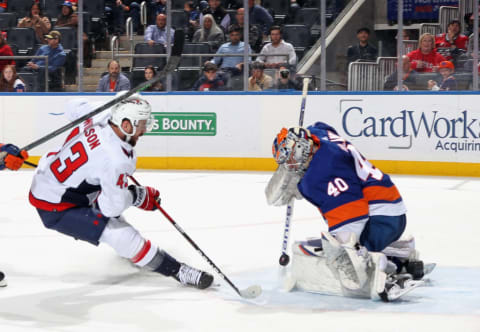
x=172, y=63
x=248, y=293
x=284, y=258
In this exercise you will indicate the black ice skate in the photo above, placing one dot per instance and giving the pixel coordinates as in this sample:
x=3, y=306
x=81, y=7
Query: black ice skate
x=398, y=285
x=3, y=281
x=192, y=277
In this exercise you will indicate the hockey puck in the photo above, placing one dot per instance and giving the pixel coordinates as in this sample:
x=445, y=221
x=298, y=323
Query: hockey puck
x=284, y=259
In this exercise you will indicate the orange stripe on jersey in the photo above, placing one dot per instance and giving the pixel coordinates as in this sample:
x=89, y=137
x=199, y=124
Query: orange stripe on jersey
x=346, y=212
x=379, y=193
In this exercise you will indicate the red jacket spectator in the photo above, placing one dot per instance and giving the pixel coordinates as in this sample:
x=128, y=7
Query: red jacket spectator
x=460, y=41
x=425, y=59
x=5, y=50
x=3, y=4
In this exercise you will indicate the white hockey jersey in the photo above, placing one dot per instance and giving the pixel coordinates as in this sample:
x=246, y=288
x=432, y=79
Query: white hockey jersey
x=93, y=164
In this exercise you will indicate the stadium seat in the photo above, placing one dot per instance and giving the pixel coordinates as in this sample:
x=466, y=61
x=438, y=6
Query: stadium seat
x=30, y=79
x=194, y=48
x=235, y=83
x=187, y=77
x=137, y=76
x=96, y=8
x=144, y=48
x=233, y=15
x=69, y=37
x=24, y=38
x=179, y=19
x=280, y=7
x=8, y=20
x=53, y=8
x=307, y=16
x=297, y=34
x=20, y=7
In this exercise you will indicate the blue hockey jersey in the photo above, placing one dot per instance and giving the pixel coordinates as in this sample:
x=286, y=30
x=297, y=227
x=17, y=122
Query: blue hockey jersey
x=344, y=185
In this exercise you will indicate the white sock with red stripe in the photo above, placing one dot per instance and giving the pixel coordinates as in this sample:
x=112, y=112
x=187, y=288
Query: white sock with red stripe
x=128, y=242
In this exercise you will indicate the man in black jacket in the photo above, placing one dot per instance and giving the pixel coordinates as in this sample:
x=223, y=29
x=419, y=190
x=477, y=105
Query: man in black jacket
x=363, y=50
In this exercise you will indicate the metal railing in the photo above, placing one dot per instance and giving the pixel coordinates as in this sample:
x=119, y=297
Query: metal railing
x=363, y=76
x=409, y=45
x=26, y=57
x=129, y=30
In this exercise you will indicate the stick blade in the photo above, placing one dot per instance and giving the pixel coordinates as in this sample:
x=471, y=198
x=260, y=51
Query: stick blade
x=251, y=292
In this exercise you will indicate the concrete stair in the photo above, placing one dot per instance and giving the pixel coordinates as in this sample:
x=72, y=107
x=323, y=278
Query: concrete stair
x=92, y=75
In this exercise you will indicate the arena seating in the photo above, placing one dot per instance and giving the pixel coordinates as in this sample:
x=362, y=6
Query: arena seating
x=144, y=48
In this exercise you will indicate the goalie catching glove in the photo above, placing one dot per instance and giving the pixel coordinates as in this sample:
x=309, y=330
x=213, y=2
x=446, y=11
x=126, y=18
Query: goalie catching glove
x=145, y=198
x=11, y=157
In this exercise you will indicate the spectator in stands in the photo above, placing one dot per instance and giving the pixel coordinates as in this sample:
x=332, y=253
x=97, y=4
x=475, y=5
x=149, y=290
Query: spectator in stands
x=211, y=80
x=67, y=17
x=452, y=43
x=259, y=81
x=254, y=33
x=284, y=81
x=277, y=46
x=156, y=7
x=158, y=33
x=232, y=65
x=56, y=60
x=446, y=69
x=5, y=50
x=363, y=50
x=260, y=16
x=209, y=33
x=425, y=59
x=118, y=10
x=219, y=13
x=3, y=6
x=149, y=74
x=193, y=16
x=10, y=81
x=409, y=77
x=36, y=20
x=114, y=80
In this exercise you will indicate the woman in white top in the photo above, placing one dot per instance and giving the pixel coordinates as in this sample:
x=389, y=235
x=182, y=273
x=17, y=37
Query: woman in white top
x=10, y=81
x=209, y=33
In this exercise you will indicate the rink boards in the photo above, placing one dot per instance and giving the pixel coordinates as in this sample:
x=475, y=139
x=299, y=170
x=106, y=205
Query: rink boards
x=409, y=133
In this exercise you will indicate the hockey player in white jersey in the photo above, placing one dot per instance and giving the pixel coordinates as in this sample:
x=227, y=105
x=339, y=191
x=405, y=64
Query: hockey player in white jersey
x=81, y=189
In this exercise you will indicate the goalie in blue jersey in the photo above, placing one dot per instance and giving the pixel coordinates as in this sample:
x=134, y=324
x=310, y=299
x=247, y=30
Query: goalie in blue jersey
x=364, y=212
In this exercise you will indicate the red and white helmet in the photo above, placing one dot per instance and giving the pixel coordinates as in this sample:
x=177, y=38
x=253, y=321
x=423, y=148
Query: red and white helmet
x=134, y=109
x=294, y=148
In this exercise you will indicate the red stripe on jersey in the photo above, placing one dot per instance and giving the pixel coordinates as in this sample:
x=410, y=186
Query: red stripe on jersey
x=379, y=193
x=47, y=206
x=346, y=212
x=141, y=254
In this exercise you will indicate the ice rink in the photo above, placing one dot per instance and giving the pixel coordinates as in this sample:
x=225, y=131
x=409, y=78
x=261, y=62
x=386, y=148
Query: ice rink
x=59, y=284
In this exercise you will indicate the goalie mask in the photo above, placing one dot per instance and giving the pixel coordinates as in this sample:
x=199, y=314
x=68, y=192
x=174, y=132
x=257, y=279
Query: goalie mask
x=294, y=148
x=134, y=109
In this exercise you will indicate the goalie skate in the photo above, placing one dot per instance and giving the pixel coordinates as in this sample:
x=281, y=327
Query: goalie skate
x=398, y=285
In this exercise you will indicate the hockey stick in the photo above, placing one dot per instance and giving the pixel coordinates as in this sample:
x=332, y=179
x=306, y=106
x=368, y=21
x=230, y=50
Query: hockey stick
x=248, y=293
x=284, y=258
x=172, y=63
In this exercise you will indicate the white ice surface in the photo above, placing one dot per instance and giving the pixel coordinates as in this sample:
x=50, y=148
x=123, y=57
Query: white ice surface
x=59, y=284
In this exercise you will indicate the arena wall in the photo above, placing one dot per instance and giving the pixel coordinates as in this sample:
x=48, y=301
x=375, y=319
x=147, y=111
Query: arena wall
x=408, y=133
